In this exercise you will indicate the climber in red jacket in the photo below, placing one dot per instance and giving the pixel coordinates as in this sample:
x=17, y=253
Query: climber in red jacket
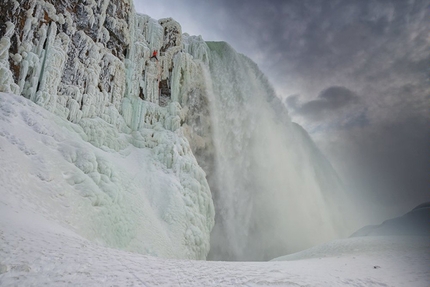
x=154, y=55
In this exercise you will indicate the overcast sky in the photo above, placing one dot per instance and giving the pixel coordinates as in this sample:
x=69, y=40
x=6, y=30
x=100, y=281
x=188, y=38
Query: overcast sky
x=354, y=74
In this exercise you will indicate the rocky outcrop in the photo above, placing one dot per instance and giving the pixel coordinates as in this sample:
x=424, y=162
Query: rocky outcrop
x=81, y=59
x=68, y=56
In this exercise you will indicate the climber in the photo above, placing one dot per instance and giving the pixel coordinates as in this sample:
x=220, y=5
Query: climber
x=154, y=55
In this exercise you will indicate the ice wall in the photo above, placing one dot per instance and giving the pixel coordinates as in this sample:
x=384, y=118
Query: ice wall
x=88, y=62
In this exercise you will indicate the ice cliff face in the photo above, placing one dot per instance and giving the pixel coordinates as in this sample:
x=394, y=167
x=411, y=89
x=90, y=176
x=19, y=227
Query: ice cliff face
x=163, y=134
x=88, y=62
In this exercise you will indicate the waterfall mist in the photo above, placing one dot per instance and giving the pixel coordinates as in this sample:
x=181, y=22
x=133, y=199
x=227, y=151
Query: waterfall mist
x=274, y=192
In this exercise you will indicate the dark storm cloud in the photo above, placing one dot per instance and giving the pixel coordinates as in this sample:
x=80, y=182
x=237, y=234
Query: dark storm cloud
x=328, y=101
x=379, y=49
x=323, y=40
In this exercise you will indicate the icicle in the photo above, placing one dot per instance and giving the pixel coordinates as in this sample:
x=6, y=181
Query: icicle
x=6, y=79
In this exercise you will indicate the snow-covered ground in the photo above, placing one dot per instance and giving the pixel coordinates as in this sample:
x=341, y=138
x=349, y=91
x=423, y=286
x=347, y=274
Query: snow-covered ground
x=37, y=251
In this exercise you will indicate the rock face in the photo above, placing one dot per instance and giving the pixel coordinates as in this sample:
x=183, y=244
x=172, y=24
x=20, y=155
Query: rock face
x=89, y=63
x=81, y=59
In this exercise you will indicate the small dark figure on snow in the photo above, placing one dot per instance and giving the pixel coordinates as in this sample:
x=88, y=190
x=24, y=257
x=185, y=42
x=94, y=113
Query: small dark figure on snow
x=154, y=55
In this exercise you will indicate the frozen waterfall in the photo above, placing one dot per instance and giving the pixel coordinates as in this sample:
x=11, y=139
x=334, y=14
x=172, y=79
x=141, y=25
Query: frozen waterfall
x=143, y=144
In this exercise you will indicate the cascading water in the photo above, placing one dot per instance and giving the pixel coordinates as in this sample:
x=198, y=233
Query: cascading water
x=274, y=192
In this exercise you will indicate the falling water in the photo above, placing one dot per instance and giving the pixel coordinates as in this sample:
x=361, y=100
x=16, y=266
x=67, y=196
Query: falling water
x=274, y=192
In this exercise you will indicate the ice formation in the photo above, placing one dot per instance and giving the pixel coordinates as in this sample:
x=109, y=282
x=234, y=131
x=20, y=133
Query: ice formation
x=138, y=186
x=141, y=143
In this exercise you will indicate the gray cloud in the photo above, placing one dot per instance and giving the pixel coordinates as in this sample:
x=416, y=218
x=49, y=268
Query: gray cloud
x=328, y=101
